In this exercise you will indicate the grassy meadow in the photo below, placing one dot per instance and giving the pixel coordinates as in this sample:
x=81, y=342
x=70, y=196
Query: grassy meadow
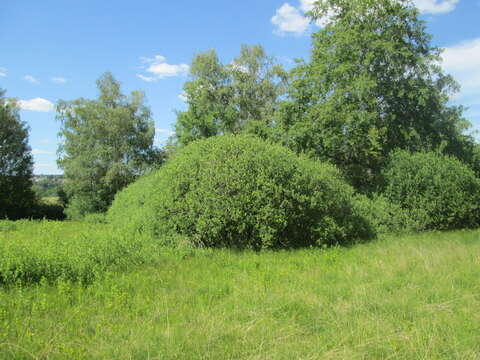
x=81, y=291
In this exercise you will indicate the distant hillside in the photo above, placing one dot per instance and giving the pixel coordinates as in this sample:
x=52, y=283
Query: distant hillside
x=47, y=185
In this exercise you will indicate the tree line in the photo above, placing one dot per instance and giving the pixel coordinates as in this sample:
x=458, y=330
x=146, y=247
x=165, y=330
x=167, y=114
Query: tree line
x=372, y=85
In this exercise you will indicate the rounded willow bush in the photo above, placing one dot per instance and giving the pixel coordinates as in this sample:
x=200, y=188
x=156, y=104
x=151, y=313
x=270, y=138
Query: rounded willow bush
x=439, y=191
x=242, y=192
x=384, y=216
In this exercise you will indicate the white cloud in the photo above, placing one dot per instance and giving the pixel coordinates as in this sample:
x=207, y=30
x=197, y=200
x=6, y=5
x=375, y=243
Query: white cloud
x=164, y=132
x=3, y=71
x=37, y=104
x=462, y=61
x=306, y=5
x=289, y=19
x=146, y=78
x=58, y=80
x=41, y=152
x=30, y=79
x=158, y=68
x=162, y=70
x=158, y=58
x=436, y=6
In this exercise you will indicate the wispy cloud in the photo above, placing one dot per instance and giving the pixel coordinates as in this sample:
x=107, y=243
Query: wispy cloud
x=462, y=61
x=41, y=152
x=436, y=6
x=157, y=68
x=31, y=79
x=58, y=80
x=3, y=71
x=146, y=78
x=37, y=104
x=46, y=168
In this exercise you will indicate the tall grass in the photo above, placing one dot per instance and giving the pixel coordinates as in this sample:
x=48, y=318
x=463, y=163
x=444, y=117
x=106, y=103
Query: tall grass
x=413, y=297
x=35, y=250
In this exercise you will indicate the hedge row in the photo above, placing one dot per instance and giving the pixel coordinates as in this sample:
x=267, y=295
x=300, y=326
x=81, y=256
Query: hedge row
x=243, y=192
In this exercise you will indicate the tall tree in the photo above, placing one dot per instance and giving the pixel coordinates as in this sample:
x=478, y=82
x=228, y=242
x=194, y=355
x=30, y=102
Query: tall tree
x=17, y=198
x=258, y=82
x=373, y=84
x=230, y=98
x=208, y=95
x=107, y=143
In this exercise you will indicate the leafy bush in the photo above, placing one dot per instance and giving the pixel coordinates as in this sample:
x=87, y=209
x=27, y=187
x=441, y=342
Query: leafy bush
x=127, y=210
x=48, y=208
x=239, y=191
x=439, y=191
x=384, y=216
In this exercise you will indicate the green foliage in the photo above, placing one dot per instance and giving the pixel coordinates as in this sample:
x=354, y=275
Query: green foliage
x=107, y=143
x=240, y=97
x=98, y=218
x=439, y=191
x=242, y=192
x=384, y=216
x=49, y=209
x=372, y=85
x=16, y=163
x=36, y=250
x=128, y=210
x=475, y=160
x=47, y=185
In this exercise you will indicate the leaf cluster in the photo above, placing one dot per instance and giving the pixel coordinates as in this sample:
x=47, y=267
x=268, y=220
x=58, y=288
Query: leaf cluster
x=439, y=191
x=16, y=163
x=240, y=97
x=241, y=192
x=106, y=144
x=373, y=85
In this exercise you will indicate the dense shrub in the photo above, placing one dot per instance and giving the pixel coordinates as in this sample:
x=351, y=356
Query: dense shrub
x=384, y=216
x=239, y=191
x=48, y=208
x=439, y=191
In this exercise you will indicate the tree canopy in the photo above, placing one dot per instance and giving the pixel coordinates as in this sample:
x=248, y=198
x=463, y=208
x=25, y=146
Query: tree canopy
x=16, y=163
x=373, y=84
x=106, y=144
x=240, y=97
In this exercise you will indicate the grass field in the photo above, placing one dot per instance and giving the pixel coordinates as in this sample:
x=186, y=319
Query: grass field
x=410, y=297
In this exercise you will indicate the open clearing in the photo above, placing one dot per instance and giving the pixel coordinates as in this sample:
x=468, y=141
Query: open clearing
x=409, y=297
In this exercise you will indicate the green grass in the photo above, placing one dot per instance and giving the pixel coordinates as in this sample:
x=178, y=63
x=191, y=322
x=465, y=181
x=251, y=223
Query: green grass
x=412, y=297
x=51, y=200
x=32, y=251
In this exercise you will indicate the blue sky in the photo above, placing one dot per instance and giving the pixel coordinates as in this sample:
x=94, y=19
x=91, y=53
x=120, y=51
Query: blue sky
x=56, y=49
